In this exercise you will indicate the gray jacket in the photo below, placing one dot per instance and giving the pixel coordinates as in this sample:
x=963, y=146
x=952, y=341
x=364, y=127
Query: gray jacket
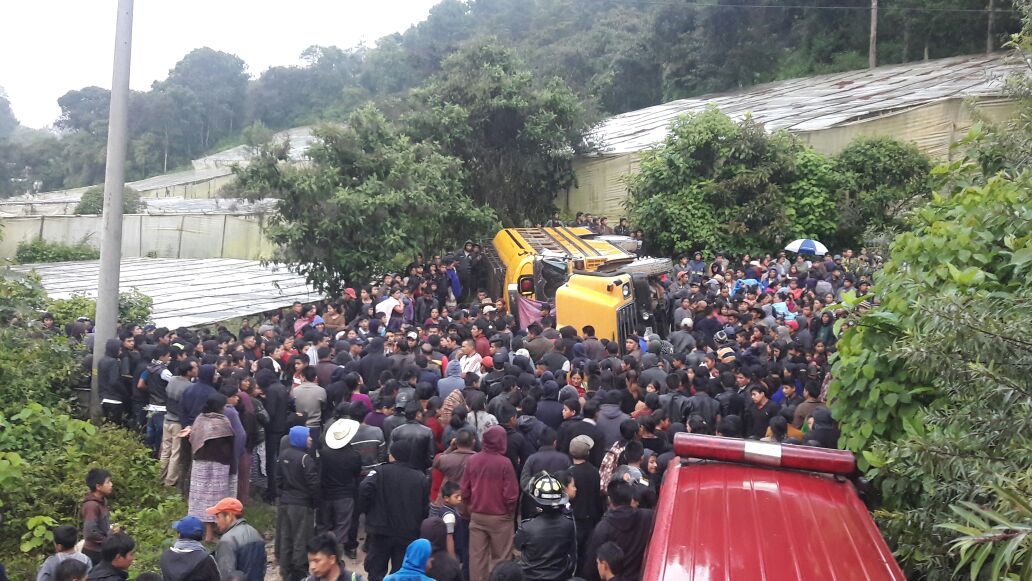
x=242, y=548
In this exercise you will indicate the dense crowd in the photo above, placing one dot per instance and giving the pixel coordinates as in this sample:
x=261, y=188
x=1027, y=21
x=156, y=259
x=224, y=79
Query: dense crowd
x=473, y=449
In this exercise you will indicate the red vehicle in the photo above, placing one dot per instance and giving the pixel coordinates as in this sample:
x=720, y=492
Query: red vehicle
x=739, y=510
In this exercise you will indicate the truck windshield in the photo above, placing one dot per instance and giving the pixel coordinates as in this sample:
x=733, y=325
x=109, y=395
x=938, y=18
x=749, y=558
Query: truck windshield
x=553, y=276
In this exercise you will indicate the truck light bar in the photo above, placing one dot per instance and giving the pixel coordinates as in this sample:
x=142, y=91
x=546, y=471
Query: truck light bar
x=764, y=453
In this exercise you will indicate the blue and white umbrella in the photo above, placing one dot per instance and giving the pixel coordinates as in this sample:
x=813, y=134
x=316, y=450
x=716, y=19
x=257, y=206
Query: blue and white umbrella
x=807, y=246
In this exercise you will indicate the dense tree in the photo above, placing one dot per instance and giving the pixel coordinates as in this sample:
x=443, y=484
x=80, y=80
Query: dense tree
x=8, y=122
x=716, y=184
x=515, y=136
x=370, y=201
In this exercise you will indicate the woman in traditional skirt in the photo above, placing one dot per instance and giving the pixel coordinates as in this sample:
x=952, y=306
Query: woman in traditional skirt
x=211, y=440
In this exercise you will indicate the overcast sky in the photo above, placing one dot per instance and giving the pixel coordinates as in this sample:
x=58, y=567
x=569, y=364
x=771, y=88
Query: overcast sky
x=48, y=47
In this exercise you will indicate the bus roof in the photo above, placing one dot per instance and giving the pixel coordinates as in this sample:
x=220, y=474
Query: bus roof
x=723, y=520
x=564, y=241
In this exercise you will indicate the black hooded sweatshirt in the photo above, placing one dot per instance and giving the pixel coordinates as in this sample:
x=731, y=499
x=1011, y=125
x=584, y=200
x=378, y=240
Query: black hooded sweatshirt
x=443, y=566
x=630, y=528
x=109, y=373
x=277, y=401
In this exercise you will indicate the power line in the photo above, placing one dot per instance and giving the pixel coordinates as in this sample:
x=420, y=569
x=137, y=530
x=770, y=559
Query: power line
x=688, y=4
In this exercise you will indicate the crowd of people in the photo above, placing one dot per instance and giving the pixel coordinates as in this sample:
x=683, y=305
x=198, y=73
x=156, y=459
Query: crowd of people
x=472, y=448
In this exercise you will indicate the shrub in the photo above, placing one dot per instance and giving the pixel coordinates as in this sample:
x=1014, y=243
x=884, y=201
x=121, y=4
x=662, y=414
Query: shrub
x=92, y=201
x=40, y=250
x=56, y=452
x=133, y=307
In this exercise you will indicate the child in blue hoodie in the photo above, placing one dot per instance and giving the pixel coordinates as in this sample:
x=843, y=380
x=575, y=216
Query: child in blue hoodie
x=414, y=566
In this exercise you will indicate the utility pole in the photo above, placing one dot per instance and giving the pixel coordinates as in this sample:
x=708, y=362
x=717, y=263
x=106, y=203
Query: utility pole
x=872, y=51
x=114, y=182
x=990, y=42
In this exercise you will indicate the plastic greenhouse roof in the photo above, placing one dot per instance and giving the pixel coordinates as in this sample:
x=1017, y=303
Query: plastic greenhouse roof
x=186, y=292
x=820, y=102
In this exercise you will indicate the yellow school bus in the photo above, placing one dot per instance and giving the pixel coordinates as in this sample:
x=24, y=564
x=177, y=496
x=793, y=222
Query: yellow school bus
x=590, y=279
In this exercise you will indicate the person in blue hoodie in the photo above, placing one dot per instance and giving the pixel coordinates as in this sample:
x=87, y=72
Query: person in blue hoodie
x=414, y=566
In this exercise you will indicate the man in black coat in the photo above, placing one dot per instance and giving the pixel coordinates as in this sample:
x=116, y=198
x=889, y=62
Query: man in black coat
x=395, y=498
x=628, y=527
x=418, y=438
x=575, y=424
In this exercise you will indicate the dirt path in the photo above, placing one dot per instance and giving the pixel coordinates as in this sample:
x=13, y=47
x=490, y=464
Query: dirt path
x=273, y=574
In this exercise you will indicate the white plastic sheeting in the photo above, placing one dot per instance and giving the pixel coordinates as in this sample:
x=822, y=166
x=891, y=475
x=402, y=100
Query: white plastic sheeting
x=186, y=293
x=821, y=102
x=163, y=236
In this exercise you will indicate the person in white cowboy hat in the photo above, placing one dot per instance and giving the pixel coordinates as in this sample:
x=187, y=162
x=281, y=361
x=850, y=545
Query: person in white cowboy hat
x=341, y=469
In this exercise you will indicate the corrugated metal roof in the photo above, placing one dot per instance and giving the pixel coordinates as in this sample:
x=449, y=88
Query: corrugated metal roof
x=720, y=520
x=820, y=102
x=186, y=293
x=300, y=139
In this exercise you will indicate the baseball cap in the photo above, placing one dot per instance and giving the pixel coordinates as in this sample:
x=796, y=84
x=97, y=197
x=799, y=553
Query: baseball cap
x=687, y=322
x=412, y=335
x=581, y=446
x=228, y=504
x=350, y=292
x=189, y=526
x=488, y=309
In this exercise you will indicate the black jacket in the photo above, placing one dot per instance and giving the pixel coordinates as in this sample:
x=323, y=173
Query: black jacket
x=297, y=478
x=109, y=374
x=188, y=563
x=420, y=442
x=630, y=528
x=277, y=403
x=106, y=572
x=704, y=405
x=396, y=499
x=548, y=546
x=731, y=403
x=340, y=470
x=578, y=426
x=756, y=420
x=588, y=505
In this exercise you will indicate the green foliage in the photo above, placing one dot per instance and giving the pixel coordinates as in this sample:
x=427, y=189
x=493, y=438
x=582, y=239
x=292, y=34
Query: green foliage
x=21, y=296
x=133, y=307
x=8, y=122
x=516, y=138
x=369, y=197
x=1009, y=530
x=717, y=184
x=932, y=385
x=882, y=178
x=92, y=201
x=39, y=250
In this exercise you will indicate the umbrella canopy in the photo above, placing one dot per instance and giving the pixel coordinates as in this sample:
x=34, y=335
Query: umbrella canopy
x=807, y=246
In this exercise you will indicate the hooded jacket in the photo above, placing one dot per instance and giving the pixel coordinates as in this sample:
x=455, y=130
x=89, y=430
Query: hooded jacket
x=277, y=400
x=109, y=373
x=824, y=432
x=197, y=394
x=444, y=567
x=609, y=418
x=413, y=568
x=452, y=379
x=489, y=483
x=395, y=497
x=374, y=362
x=188, y=560
x=630, y=528
x=651, y=371
x=297, y=475
x=550, y=409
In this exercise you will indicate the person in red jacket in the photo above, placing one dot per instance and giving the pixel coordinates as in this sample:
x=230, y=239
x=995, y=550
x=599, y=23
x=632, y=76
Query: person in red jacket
x=490, y=490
